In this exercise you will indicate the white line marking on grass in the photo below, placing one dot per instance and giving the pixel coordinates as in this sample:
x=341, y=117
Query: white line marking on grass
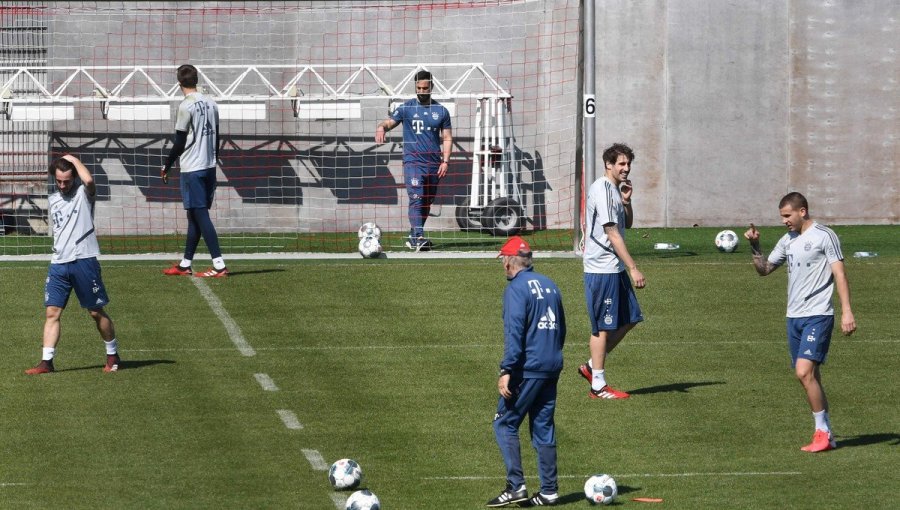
x=316, y=461
x=234, y=332
x=400, y=253
x=12, y=484
x=475, y=346
x=340, y=500
x=737, y=473
x=290, y=419
x=634, y=475
x=266, y=382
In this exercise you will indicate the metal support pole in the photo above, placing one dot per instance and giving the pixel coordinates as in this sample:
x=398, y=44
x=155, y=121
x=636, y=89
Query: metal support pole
x=475, y=192
x=584, y=128
x=589, y=86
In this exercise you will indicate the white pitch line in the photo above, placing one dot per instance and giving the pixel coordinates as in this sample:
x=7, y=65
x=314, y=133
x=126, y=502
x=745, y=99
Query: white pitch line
x=266, y=382
x=290, y=419
x=340, y=500
x=234, y=332
x=316, y=461
x=12, y=484
x=478, y=346
x=635, y=475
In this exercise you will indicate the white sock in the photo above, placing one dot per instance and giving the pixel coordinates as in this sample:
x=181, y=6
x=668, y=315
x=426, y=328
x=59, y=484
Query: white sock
x=821, y=421
x=598, y=381
x=112, y=347
x=218, y=263
x=185, y=263
x=48, y=353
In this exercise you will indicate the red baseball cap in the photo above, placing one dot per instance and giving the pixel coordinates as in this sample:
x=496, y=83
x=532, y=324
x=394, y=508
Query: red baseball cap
x=515, y=246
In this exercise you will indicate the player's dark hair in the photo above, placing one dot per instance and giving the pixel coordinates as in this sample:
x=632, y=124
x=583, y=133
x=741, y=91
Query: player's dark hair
x=611, y=155
x=423, y=75
x=61, y=164
x=187, y=76
x=796, y=200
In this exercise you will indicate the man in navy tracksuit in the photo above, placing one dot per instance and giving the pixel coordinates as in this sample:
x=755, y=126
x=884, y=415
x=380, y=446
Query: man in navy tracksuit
x=534, y=331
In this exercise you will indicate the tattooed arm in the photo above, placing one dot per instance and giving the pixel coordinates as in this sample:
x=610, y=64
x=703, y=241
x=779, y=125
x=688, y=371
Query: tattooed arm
x=760, y=262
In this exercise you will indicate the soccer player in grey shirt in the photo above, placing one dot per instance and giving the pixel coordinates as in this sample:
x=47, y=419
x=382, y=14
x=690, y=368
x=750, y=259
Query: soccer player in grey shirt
x=74, y=265
x=612, y=304
x=815, y=265
x=196, y=148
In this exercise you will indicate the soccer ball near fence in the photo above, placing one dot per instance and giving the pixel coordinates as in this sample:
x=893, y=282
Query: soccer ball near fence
x=369, y=247
x=345, y=474
x=369, y=229
x=363, y=500
x=600, y=489
x=726, y=241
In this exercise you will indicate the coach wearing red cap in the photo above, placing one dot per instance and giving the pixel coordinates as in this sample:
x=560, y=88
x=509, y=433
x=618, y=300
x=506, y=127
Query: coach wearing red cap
x=534, y=327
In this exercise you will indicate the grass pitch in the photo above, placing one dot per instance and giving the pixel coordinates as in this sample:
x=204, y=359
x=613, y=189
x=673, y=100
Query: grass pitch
x=393, y=363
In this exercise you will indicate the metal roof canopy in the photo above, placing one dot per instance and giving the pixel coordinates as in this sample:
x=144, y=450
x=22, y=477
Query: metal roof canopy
x=272, y=83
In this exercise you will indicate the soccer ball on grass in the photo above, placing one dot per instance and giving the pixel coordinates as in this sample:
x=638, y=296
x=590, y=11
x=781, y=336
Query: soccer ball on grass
x=363, y=500
x=600, y=489
x=345, y=474
x=369, y=247
x=726, y=241
x=369, y=229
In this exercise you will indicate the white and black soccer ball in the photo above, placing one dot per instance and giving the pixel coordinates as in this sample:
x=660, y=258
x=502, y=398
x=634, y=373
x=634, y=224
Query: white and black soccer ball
x=369, y=229
x=363, y=500
x=369, y=247
x=600, y=489
x=345, y=474
x=726, y=241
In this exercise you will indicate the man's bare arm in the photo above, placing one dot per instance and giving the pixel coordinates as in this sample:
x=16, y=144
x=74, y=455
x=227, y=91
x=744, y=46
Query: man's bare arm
x=618, y=245
x=760, y=262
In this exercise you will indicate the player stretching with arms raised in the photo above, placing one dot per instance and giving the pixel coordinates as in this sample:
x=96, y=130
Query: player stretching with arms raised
x=815, y=268
x=612, y=305
x=74, y=264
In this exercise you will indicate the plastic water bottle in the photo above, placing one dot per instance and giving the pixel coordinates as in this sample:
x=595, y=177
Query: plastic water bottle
x=865, y=254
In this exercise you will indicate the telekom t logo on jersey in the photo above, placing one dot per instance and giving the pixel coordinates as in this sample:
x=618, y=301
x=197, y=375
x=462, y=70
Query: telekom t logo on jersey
x=536, y=288
x=418, y=125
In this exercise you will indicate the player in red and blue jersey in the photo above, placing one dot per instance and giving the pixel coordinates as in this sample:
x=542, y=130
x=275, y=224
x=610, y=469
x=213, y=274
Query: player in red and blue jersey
x=427, y=142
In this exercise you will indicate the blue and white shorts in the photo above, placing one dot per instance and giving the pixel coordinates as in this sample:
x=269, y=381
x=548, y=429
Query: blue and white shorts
x=809, y=337
x=82, y=276
x=421, y=182
x=611, y=301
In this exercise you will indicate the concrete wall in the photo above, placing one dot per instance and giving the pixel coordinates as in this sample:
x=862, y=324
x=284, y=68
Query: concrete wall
x=729, y=105
x=339, y=177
